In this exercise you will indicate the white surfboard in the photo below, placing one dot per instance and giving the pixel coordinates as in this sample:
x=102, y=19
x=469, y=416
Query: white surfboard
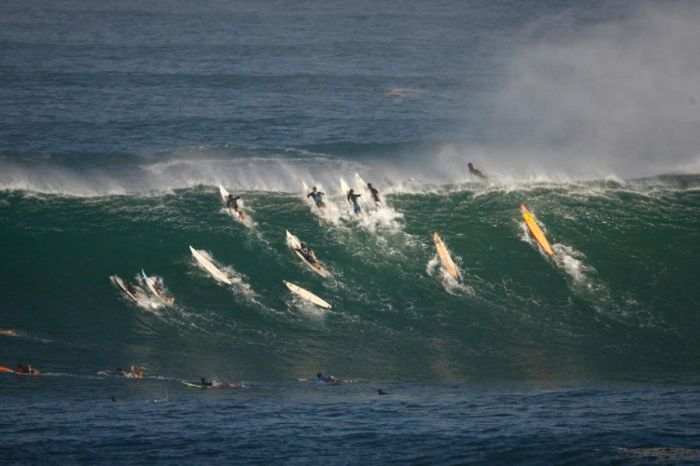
x=120, y=283
x=139, y=297
x=307, y=295
x=150, y=284
x=209, y=267
x=445, y=259
x=344, y=188
x=294, y=244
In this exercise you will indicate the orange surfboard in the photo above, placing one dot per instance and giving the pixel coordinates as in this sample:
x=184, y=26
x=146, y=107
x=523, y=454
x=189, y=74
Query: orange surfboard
x=536, y=230
x=6, y=369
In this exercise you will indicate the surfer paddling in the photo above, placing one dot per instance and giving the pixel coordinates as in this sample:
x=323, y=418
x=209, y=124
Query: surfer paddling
x=309, y=255
x=352, y=199
x=321, y=378
x=317, y=196
x=214, y=384
x=476, y=172
x=232, y=203
x=26, y=369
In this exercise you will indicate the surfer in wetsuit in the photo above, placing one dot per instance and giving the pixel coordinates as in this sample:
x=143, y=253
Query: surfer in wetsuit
x=476, y=172
x=204, y=383
x=375, y=194
x=352, y=198
x=160, y=288
x=317, y=196
x=232, y=203
x=309, y=255
x=26, y=369
x=320, y=378
x=136, y=374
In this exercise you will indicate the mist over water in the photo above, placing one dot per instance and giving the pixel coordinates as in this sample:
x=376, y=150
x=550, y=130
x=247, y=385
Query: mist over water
x=616, y=98
x=562, y=94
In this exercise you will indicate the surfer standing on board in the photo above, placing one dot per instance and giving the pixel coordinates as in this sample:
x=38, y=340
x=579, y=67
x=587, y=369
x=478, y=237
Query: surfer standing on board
x=375, y=194
x=352, y=198
x=317, y=196
x=232, y=203
x=476, y=172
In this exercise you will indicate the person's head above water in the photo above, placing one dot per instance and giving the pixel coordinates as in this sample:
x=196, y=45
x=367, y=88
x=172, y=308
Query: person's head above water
x=313, y=189
x=351, y=191
x=319, y=374
x=369, y=185
x=470, y=165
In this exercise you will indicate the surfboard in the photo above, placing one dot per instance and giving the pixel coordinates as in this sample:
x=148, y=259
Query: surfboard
x=445, y=259
x=149, y=284
x=193, y=385
x=536, y=231
x=307, y=295
x=120, y=283
x=209, y=267
x=7, y=369
x=294, y=245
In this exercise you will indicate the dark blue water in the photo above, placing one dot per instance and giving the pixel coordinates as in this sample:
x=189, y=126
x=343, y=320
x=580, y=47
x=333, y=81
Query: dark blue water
x=119, y=119
x=483, y=423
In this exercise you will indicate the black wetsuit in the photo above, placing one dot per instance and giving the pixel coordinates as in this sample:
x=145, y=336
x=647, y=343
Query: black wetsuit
x=375, y=195
x=308, y=254
x=232, y=202
x=476, y=172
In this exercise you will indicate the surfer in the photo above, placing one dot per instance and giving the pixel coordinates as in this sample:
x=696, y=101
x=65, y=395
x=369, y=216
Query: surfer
x=232, y=203
x=375, y=194
x=160, y=288
x=320, y=378
x=381, y=392
x=317, y=196
x=26, y=369
x=476, y=172
x=352, y=198
x=214, y=384
x=133, y=373
x=308, y=254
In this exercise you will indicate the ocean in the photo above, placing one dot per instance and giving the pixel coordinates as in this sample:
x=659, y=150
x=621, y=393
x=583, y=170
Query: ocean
x=119, y=120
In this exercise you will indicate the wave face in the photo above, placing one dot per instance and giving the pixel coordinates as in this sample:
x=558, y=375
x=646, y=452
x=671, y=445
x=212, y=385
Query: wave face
x=619, y=299
x=118, y=120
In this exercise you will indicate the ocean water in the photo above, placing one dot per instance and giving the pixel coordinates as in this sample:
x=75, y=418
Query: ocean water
x=118, y=121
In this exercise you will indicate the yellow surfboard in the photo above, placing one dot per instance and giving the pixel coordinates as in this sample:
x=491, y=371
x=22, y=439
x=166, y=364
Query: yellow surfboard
x=536, y=230
x=445, y=258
